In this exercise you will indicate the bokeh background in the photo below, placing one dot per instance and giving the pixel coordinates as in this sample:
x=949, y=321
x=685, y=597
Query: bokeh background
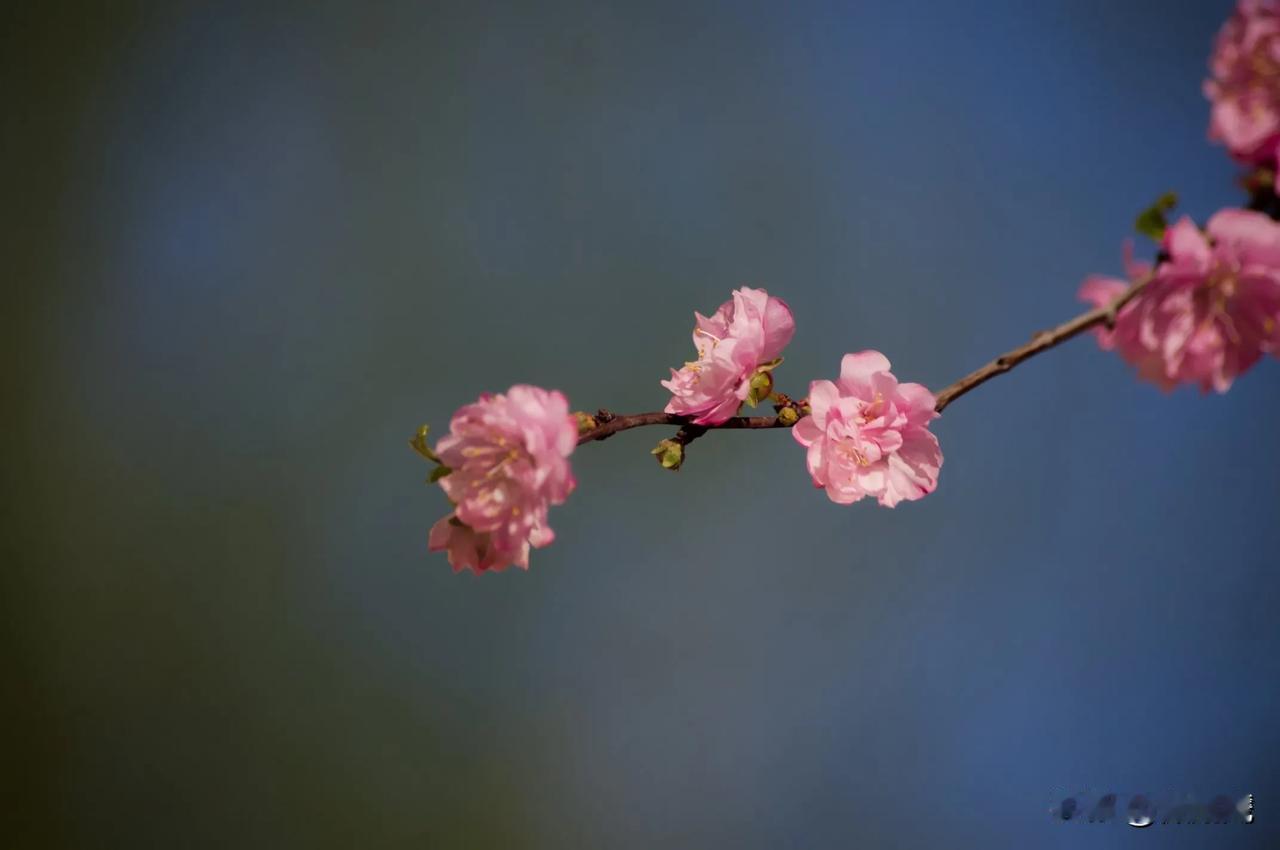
x=249, y=248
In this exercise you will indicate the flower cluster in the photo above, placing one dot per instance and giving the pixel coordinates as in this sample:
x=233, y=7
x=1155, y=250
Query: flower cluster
x=1210, y=306
x=1203, y=313
x=1211, y=309
x=505, y=459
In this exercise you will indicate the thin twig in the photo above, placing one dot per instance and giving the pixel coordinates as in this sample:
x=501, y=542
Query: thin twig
x=1040, y=342
x=625, y=422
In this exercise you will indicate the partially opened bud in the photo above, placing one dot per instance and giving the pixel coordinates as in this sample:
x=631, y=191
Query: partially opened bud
x=759, y=388
x=669, y=453
x=743, y=338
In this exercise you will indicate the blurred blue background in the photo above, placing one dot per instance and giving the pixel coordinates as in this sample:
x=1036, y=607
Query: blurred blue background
x=249, y=249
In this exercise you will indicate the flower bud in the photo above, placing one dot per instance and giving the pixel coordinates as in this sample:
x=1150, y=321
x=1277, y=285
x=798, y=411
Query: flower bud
x=760, y=387
x=586, y=422
x=788, y=416
x=669, y=453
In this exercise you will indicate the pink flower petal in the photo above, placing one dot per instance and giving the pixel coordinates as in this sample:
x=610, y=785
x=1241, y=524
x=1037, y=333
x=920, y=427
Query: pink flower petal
x=856, y=371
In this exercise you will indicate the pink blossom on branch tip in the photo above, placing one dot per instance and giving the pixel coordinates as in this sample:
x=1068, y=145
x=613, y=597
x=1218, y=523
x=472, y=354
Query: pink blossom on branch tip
x=508, y=456
x=1244, y=88
x=1212, y=310
x=746, y=333
x=868, y=435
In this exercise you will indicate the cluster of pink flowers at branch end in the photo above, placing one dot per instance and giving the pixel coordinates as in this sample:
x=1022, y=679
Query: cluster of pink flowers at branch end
x=506, y=458
x=1245, y=86
x=1205, y=312
x=1212, y=308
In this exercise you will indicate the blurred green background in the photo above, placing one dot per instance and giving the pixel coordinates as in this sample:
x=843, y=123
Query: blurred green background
x=250, y=247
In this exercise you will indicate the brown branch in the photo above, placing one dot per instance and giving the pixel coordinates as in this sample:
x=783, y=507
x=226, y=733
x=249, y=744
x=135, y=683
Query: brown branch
x=614, y=423
x=1040, y=342
x=610, y=424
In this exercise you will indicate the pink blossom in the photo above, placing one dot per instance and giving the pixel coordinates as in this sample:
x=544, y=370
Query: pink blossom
x=745, y=334
x=509, y=460
x=1245, y=88
x=1213, y=308
x=868, y=435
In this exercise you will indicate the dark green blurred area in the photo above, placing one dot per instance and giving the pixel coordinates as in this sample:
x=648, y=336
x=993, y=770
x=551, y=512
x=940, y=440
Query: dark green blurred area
x=249, y=249
x=180, y=674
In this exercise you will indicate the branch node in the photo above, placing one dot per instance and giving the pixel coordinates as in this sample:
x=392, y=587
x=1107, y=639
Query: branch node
x=688, y=433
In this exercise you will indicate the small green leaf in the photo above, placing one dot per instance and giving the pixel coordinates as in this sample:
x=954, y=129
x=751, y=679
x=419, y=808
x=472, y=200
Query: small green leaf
x=1153, y=221
x=419, y=444
x=439, y=472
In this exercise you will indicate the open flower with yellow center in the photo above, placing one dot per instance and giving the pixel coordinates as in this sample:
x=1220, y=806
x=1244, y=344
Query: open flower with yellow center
x=868, y=435
x=507, y=459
